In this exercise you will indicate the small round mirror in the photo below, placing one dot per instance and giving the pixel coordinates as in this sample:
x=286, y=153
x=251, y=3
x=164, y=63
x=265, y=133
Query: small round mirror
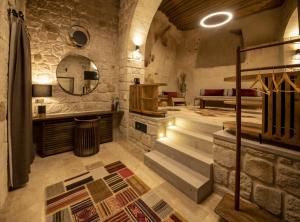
x=77, y=75
x=79, y=36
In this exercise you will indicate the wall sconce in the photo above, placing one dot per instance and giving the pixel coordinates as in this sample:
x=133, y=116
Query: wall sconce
x=41, y=91
x=42, y=79
x=138, y=41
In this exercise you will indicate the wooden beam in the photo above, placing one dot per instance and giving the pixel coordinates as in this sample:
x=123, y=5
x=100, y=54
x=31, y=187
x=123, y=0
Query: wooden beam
x=186, y=14
x=252, y=77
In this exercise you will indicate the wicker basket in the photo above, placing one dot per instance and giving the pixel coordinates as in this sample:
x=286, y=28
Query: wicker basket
x=86, y=137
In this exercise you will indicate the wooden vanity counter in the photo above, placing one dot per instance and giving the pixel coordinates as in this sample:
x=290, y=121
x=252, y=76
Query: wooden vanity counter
x=54, y=134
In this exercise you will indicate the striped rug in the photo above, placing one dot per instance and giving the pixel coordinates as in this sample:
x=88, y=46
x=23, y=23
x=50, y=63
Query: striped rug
x=108, y=193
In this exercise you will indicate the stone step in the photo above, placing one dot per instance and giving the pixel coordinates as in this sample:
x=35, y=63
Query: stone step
x=196, y=125
x=194, y=185
x=196, y=159
x=197, y=140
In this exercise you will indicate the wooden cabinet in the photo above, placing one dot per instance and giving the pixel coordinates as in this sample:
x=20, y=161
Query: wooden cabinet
x=144, y=99
x=55, y=134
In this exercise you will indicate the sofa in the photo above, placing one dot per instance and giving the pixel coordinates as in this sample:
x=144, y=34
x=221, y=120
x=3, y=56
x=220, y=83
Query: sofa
x=224, y=97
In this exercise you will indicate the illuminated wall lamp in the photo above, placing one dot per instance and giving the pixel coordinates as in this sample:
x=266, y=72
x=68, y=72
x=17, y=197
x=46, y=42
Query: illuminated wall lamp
x=41, y=91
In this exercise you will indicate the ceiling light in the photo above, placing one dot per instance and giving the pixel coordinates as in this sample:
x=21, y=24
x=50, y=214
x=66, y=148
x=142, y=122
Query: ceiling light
x=228, y=19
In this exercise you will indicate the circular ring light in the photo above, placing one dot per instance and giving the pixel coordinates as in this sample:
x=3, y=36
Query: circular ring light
x=228, y=14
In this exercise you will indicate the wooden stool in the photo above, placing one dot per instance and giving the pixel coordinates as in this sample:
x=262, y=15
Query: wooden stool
x=87, y=138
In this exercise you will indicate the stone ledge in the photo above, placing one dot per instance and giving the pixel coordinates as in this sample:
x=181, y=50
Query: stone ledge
x=152, y=119
x=266, y=148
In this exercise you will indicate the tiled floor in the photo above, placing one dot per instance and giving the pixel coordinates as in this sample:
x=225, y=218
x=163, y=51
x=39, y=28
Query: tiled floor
x=27, y=204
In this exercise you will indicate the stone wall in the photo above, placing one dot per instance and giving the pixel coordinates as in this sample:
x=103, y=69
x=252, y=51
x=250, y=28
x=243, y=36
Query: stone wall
x=161, y=50
x=49, y=22
x=4, y=43
x=205, y=74
x=156, y=127
x=126, y=71
x=134, y=21
x=270, y=176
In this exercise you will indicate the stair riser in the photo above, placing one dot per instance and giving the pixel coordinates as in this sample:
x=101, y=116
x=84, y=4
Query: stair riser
x=193, y=163
x=195, y=126
x=195, y=194
x=200, y=144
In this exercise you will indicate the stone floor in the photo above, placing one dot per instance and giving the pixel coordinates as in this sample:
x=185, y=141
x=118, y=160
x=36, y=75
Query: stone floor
x=27, y=204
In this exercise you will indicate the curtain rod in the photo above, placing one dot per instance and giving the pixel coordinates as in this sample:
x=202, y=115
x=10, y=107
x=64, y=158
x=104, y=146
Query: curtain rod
x=270, y=45
x=271, y=67
x=14, y=12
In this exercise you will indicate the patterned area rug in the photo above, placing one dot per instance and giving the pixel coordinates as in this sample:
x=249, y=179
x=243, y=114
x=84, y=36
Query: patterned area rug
x=110, y=193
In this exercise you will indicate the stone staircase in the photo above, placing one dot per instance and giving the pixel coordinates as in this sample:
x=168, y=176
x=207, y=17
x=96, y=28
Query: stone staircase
x=184, y=157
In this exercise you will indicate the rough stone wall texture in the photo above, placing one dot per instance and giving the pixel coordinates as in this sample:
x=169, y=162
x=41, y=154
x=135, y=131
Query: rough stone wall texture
x=49, y=22
x=155, y=127
x=4, y=44
x=134, y=21
x=267, y=24
x=161, y=50
x=268, y=179
x=205, y=68
x=127, y=9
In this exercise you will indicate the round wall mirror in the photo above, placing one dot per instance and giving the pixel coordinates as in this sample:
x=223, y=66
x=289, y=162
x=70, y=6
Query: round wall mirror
x=77, y=75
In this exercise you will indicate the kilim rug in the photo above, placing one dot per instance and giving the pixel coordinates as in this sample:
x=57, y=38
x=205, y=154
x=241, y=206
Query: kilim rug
x=110, y=193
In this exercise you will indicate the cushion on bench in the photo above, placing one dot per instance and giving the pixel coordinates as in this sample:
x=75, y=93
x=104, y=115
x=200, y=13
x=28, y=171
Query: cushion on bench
x=214, y=92
x=170, y=94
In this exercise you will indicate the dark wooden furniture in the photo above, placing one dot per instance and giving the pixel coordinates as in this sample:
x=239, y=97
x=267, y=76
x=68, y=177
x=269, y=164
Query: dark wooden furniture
x=292, y=102
x=55, y=133
x=281, y=111
x=86, y=140
x=144, y=99
x=280, y=106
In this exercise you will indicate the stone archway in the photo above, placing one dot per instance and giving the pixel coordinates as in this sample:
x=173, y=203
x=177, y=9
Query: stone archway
x=137, y=18
x=290, y=30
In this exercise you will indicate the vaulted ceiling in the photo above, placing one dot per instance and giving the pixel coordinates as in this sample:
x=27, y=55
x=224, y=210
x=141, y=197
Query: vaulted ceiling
x=186, y=14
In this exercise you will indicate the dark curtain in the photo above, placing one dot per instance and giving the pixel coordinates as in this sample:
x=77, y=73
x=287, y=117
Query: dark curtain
x=21, y=152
